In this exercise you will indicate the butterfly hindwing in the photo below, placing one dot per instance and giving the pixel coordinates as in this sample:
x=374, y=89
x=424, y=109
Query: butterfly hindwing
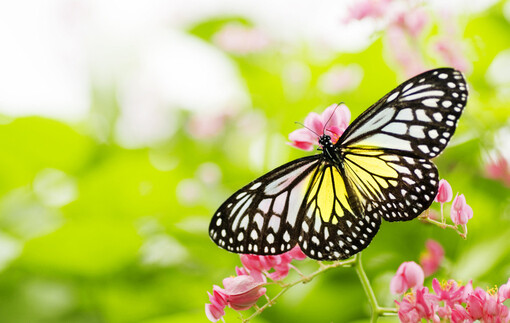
x=262, y=217
x=333, y=226
x=417, y=118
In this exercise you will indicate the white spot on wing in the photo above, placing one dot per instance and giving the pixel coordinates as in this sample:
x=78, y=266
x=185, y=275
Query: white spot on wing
x=420, y=95
x=392, y=97
x=405, y=114
x=396, y=127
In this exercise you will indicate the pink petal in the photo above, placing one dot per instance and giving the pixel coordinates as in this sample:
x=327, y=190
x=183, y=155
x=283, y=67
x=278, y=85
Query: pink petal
x=214, y=313
x=504, y=291
x=296, y=253
x=314, y=122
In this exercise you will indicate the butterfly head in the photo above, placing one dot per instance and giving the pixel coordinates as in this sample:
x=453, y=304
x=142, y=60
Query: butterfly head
x=325, y=141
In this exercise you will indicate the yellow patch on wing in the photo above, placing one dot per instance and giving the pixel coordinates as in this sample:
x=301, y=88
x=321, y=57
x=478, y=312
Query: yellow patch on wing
x=369, y=173
x=331, y=195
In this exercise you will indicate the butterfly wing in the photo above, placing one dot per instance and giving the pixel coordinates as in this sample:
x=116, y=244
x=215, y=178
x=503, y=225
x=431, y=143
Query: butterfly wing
x=262, y=217
x=392, y=186
x=417, y=118
x=334, y=226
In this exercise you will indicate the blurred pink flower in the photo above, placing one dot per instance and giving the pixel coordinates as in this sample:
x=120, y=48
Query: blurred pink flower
x=340, y=78
x=239, y=39
x=407, y=57
x=280, y=263
x=412, y=20
x=460, y=212
x=431, y=259
x=417, y=306
x=444, y=193
x=499, y=169
x=205, y=127
x=409, y=275
x=333, y=121
x=368, y=9
x=452, y=54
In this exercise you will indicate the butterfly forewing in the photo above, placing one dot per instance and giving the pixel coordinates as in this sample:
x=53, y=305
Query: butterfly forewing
x=417, y=118
x=262, y=217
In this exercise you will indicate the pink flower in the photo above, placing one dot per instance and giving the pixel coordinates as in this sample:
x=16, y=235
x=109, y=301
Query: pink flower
x=452, y=54
x=486, y=307
x=450, y=292
x=240, y=293
x=333, y=121
x=432, y=258
x=444, y=193
x=460, y=212
x=409, y=275
x=417, y=306
x=280, y=263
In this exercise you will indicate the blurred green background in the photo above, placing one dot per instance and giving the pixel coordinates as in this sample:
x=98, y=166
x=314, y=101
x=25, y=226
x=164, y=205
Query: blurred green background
x=129, y=124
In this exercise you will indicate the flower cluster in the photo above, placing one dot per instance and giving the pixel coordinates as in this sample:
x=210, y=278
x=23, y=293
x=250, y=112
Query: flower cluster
x=333, y=121
x=452, y=302
x=243, y=291
x=448, y=301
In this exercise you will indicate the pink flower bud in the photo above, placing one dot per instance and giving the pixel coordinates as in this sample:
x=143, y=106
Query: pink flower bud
x=409, y=275
x=460, y=212
x=444, y=193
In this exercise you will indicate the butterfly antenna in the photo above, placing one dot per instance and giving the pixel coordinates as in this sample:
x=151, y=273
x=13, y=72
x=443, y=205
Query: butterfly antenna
x=331, y=116
x=299, y=123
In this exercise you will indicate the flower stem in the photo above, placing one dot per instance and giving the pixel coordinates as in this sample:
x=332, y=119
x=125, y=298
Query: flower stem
x=303, y=279
x=376, y=309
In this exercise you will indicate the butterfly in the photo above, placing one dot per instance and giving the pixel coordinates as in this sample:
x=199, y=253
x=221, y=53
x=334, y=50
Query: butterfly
x=332, y=203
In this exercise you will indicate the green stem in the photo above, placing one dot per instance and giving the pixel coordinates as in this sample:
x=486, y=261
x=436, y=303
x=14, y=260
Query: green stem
x=376, y=309
x=303, y=279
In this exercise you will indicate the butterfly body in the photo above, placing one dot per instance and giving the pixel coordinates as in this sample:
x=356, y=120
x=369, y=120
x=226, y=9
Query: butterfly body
x=332, y=203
